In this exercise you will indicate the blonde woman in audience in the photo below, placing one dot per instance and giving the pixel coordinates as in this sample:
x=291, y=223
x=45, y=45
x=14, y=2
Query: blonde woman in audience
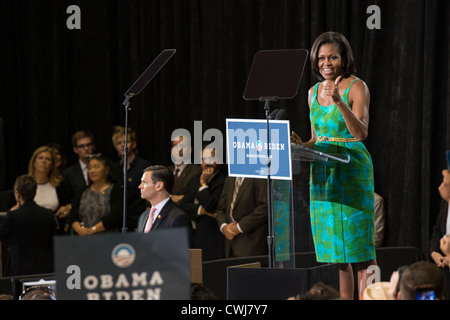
x=43, y=169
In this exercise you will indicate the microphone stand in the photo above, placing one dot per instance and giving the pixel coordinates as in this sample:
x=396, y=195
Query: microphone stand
x=137, y=87
x=274, y=75
x=271, y=231
x=126, y=103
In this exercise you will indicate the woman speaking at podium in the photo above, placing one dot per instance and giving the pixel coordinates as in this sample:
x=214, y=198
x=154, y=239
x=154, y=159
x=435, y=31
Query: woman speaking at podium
x=341, y=194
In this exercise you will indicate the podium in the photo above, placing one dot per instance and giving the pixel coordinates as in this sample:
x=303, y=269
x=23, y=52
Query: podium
x=292, y=234
x=292, y=229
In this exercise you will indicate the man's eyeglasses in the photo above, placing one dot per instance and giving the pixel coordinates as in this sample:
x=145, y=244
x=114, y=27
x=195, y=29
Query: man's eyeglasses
x=82, y=146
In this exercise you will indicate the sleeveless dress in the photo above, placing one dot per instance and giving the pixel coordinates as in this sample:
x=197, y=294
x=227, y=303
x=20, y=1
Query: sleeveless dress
x=94, y=206
x=341, y=194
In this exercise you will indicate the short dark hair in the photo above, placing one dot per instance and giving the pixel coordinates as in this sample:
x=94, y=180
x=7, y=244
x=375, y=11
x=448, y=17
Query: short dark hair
x=80, y=135
x=344, y=49
x=163, y=174
x=421, y=275
x=26, y=186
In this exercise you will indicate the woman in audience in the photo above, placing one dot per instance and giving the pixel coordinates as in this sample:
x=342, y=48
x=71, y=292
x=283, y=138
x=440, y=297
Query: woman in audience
x=43, y=169
x=49, y=193
x=98, y=207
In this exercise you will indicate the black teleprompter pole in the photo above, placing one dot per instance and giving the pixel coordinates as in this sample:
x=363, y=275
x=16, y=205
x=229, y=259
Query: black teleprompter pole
x=275, y=74
x=133, y=91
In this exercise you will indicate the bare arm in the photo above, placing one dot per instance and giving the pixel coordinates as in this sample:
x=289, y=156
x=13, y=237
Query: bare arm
x=296, y=139
x=357, y=118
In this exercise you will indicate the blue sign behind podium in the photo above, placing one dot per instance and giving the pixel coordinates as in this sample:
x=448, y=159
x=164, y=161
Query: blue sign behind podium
x=247, y=148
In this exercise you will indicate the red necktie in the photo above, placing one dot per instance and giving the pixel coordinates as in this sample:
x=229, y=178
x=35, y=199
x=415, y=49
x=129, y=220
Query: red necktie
x=149, y=224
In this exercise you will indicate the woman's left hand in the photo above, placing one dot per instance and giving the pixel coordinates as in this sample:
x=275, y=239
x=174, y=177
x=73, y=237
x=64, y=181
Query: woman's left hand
x=296, y=139
x=84, y=231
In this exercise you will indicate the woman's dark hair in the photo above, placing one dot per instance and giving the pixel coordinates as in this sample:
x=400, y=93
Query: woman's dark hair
x=56, y=146
x=163, y=174
x=111, y=176
x=348, y=67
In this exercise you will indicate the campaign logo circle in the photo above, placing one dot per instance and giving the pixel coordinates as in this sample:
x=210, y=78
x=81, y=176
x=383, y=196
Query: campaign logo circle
x=259, y=145
x=123, y=255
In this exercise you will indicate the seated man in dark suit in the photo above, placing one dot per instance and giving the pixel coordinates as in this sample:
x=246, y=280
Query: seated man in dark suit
x=200, y=203
x=156, y=186
x=30, y=230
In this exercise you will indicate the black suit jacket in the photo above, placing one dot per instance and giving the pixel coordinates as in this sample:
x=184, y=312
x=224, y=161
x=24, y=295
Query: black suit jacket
x=188, y=172
x=439, y=230
x=30, y=230
x=207, y=197
x=135, y=204
x=73, y=180
x=170, y=216
x=207, y=235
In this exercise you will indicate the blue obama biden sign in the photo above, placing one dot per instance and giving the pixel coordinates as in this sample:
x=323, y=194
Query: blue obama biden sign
x=131, y=266
x=248, y=148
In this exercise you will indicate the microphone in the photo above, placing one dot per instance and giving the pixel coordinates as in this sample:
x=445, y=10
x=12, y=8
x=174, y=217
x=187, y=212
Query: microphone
x=282, y=115
x=273, y=114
